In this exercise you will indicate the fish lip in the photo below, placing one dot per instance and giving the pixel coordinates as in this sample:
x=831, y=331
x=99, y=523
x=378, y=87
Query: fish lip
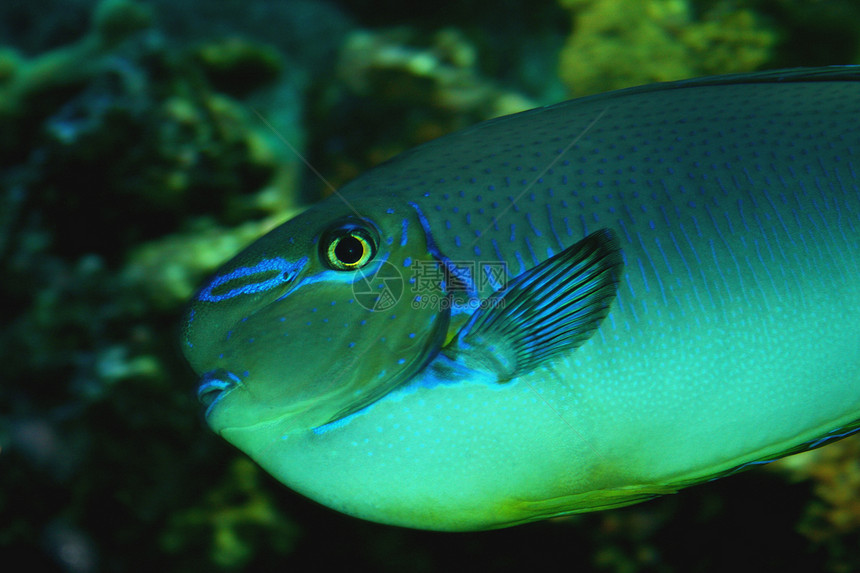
x=214, y=385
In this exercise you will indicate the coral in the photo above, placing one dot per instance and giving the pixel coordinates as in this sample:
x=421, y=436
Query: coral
x=832, y=519
x=143, y=141
x=441, y=75
x=10, y=65
x=616, y=43
x=123, y=167
x=113, y=22
x=401, y=88
x=235, y=520
x=237, y=66
x=116, y=20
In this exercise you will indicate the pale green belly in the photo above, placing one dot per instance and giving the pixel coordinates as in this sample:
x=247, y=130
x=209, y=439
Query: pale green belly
x=638, y=408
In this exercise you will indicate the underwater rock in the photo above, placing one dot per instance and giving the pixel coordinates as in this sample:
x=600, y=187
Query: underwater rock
x=443, y=74
x=237, y=67
x=398, y=88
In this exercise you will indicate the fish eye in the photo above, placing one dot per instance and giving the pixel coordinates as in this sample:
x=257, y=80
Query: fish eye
x=348, y=247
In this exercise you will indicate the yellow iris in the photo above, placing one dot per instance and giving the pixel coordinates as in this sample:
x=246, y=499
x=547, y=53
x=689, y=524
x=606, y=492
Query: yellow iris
x=351, y=250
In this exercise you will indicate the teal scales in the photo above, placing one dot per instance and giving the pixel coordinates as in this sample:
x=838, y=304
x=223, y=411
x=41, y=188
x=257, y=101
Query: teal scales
x=674, y=275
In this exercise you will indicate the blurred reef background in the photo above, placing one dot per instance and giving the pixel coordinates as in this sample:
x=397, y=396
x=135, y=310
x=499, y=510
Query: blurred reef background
x=142, y=143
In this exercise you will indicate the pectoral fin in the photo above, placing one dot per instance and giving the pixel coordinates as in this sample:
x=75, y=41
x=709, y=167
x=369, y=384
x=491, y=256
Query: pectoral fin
x=550, y=309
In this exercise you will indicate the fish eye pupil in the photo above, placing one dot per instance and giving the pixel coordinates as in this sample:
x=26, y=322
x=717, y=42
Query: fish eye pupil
x=349, y=250
x=348, y=246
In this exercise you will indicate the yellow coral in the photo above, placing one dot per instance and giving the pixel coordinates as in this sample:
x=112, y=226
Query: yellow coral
x=835, y=470
x=618, y=43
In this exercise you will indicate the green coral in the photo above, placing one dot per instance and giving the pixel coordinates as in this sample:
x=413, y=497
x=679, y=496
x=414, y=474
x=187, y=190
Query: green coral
x=832, y=519
x=411, y=88
x=136, y=141
x=442, y=74
x=126, y=175
x=237, y=66
x=236, y=520
x=116, y=20
x=26, y=81
x=617, y=43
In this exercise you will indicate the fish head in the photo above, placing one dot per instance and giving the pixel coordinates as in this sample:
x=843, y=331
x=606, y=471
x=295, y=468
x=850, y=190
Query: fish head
x=317, y=319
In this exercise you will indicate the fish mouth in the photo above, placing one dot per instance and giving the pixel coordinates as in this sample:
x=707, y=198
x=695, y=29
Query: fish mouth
x=214, y=385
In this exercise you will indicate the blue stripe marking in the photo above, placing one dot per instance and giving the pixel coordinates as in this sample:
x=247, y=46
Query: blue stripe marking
x=743, y=218
x=763, y=234
x=624, y=230
x=728, y=218
x=434, y=248
x=729, y=251
x=629, y=213
x=756, y=282
x=766, y=268
x=491, y=277
x=689, y=271
x=531, y=251
x=552, y=226
x=776, y=212
x=632, y=305
x=535, y=230
x=719, y=268
x=801, y=235
x=642, y=272
x=820, y=441
x=404, y=234
x=286, y=271
x=520, y=261
x=497, y=250
x=810, y=218
x=653, y=268
x=666, y=216
x=845, y=207
x=663, y=254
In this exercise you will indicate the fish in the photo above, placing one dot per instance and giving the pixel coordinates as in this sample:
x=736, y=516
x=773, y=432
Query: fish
x=573, y=308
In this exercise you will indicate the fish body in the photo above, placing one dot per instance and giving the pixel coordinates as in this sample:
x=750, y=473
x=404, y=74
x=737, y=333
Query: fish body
x=674, y=275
